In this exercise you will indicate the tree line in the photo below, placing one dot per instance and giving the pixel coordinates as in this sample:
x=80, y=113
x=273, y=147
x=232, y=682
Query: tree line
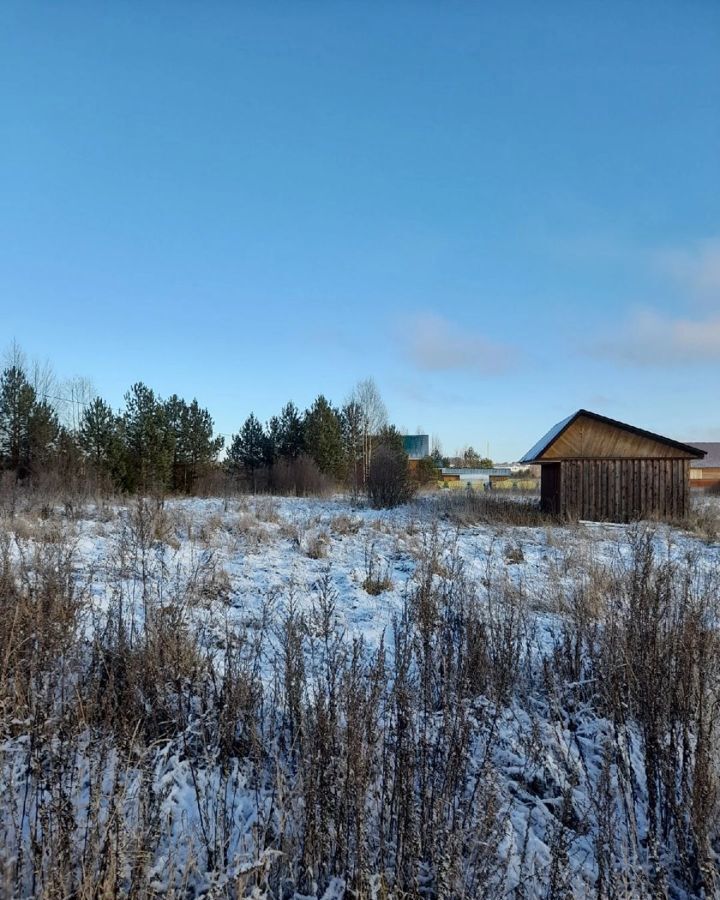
x=156, y=444
x=152, y=443
x=339, y=441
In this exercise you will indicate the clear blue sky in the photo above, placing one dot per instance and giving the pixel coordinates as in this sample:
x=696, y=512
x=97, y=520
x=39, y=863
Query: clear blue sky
x=500, y=211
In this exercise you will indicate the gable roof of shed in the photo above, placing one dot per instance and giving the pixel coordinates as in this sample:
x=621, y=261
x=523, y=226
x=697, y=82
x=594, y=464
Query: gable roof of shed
x=535, y=453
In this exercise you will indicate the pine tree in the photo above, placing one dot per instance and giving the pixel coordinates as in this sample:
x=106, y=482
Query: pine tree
x=324, y=437
x=471, y=458
x=43, y=433
x=247, y=449
x=194, y=446
x=68, y=454
x=148, y=441
x=175, y=410
x=390, y=437
x=17, y=399
x=29, y=430
x=272, y=441
x=291, y=433
x=200, y=445
x=100, y=440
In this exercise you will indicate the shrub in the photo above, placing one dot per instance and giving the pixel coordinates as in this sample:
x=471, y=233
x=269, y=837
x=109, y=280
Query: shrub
x=377, y=577
x=704, y=518
x=426, y=471
x=300, y=477
x=389, y=483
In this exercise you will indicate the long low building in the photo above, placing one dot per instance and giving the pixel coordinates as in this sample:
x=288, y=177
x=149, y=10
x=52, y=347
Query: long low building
x=705, y=473
x=466, y=474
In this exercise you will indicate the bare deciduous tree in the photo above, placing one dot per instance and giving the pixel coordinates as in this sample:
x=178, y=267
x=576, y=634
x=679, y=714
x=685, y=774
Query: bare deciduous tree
x=77, y=394
x=373, y=415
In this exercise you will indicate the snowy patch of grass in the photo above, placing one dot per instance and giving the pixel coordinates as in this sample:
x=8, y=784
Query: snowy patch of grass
x=412, y=716
x=344, y=525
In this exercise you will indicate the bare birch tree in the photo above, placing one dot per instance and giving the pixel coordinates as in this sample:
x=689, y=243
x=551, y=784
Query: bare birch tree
x=76, y=394
x=373, y=416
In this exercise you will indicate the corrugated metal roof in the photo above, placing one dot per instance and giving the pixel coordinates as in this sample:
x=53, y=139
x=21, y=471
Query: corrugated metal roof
x=542, y=445
x=712, y=460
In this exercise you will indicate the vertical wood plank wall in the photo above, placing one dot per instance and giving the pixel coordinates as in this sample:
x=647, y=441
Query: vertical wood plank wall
x=617, y=490
x=550, y=488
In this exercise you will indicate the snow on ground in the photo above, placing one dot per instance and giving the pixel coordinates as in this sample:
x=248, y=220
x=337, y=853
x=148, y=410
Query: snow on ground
x=274, y=550
x=249, y=558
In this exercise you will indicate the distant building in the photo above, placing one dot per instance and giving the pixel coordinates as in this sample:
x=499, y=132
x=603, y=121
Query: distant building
x=465, y=477
x=518, y=467
x=526, y=482
x=417, y=446
x=599, y=469
x=705, y=473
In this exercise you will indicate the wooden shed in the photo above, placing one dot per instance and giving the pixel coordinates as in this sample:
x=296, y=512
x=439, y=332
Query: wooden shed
x=599, y=469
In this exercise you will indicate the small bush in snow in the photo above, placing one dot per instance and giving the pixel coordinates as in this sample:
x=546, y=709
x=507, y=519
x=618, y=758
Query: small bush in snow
x=388, y=482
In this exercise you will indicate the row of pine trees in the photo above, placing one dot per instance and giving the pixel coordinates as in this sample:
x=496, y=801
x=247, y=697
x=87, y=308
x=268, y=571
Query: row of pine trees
x=170, y=444
x=337, y=440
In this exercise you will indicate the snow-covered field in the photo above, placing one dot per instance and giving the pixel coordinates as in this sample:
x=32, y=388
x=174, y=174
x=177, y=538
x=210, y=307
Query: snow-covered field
x=554, y=787
x=270, y=550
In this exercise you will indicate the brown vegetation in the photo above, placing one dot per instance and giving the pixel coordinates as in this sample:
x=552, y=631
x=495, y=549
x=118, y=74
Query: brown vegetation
x=383, y=767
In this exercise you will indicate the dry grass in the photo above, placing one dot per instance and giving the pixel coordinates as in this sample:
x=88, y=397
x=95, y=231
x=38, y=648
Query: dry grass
x=377, y=573
x=304, y=756
x=315, y=544
x=704, y=518
x=28, y=528
x=253, y=533
x=377, y=584
x=514, y=554
x=209, y=531
x=344, y=525
x=427, y=547
x=266, y=509
x=474, y=507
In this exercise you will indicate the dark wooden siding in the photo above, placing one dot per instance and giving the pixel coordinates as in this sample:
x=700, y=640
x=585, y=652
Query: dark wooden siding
x=616, y=490
x=550, y=494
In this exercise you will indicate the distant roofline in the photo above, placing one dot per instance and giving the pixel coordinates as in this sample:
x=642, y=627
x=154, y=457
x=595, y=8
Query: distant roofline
x=468, y=470
x=712, y=453
x=533, y=454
